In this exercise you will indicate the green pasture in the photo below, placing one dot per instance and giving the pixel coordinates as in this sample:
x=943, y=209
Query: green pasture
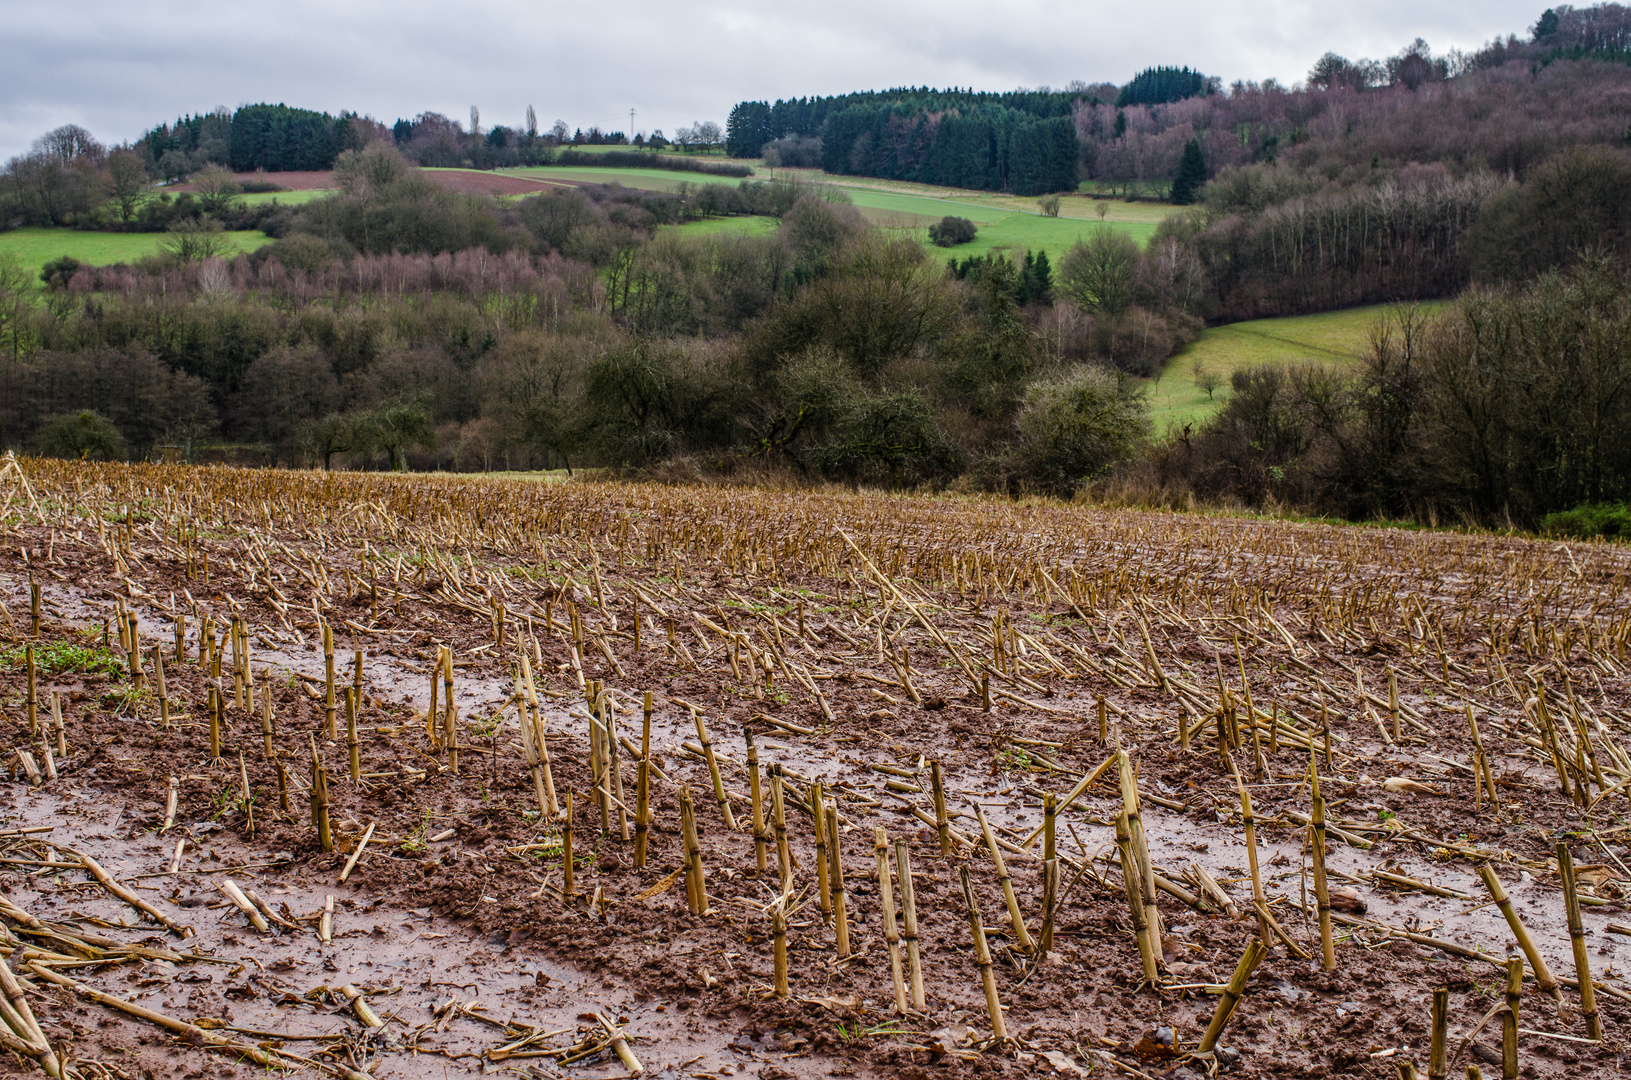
x=666, y=152
x=1006, y=221
x=1333, y=338
x=36, y=247
x=283, y=198
x=1020, y=232
x=740, y=226
x=653, y=179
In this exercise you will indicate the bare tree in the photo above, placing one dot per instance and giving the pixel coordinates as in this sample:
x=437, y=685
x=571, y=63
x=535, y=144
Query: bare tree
x=49, y=192
x=127, y=182
x=1205, y=378
x=15, y=301
x=216, y=188
x=70, y=143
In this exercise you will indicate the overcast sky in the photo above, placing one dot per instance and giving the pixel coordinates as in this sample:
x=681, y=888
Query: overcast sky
x=120, y=67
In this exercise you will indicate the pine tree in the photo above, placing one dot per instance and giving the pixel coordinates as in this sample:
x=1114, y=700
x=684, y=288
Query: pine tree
x=1040, y=279
x=1186, y=186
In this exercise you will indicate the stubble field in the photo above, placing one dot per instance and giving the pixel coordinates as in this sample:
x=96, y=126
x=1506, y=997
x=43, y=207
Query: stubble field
x=929, y=676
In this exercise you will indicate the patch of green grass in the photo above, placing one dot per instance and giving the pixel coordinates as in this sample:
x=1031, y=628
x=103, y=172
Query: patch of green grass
x=1006, y=222
x=743, y=226
x=653, y=179
x=55, y=657
x=1033, y=232
x=127, y=698
x=284, y=198
x=1335, y=338
x=1010, y=758
x=657, y=157
x=1609, y=520
x=36, y=247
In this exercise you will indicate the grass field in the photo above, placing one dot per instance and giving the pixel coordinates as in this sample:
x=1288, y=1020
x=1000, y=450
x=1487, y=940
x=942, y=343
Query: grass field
x=285, y=198
x=1036, y=233
x=1005, y=221
x=669, y=152
x=36, y=247
x=653, y=179
x=745, y=226
x=1333, y=337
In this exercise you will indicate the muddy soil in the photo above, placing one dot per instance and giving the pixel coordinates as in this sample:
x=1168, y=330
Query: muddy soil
x=459, y=893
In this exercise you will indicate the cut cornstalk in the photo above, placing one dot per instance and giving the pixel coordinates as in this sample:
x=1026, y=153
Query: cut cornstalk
x=1543, y=974
x=840, y=912
x=756, y=799
x=1322, y=890
x=982, y=960
x=1577, y=939
x=1021, y=936
x=695, y=882
x=713, y=770
x=942, y=823
x=1231, y=994
x=351, y=863
x=1134, y=887
x=908, y=902
x=353, y=744
x=886, y=902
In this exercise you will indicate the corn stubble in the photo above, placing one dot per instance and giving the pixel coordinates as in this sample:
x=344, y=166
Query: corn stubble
x=1208, y=638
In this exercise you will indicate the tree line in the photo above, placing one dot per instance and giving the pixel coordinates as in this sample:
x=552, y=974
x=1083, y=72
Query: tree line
x=1512, y=406
x=571, y=329
x=1024, y=142
x=401, y=325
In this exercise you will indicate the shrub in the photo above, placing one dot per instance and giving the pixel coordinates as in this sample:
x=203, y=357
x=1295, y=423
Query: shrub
x=892, y=438
x=59, y=272
x=302, y=251
x=85, y=435
x=951, y=231
x=194, y=240
x=1609, y=520
x=793, y=152
x=1075, y=426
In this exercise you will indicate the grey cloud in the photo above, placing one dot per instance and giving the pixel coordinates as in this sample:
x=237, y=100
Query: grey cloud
x=118, y=68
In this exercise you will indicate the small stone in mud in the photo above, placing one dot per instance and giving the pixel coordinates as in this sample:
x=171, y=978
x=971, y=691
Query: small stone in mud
x=609, y=864
x=1347, y=900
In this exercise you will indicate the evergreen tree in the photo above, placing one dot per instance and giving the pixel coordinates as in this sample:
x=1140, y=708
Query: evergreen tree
x=1186, y=186
x=1038, y=278
x=1159, y=85
x=747, y=129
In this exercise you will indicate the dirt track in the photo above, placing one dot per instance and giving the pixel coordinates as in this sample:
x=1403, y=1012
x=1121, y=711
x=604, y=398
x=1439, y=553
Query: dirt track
x=777, y=622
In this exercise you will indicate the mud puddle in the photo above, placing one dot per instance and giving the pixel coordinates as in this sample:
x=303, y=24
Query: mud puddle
x=271, y=987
